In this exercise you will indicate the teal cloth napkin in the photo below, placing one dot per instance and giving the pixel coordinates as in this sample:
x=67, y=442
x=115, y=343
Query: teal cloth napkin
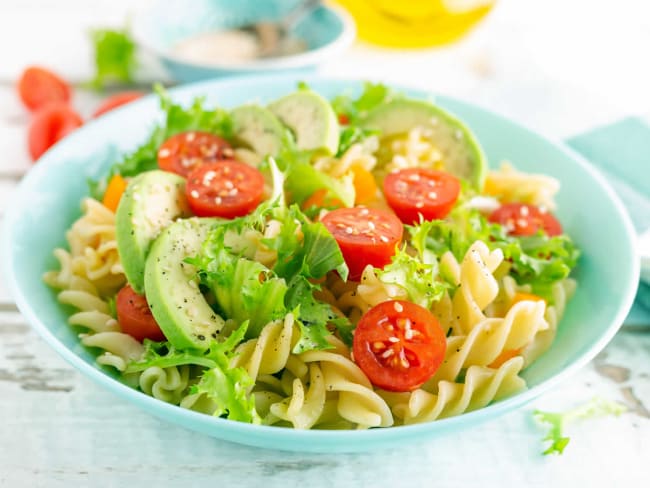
x=621, y=151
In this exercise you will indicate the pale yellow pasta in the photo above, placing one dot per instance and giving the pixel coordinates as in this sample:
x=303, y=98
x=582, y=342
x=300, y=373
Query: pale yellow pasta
x=93, y=248
x=489, y=339
x=477, y=287
x=359, y=154
x=357, y=401
x=326, y=388
x=166, y=384
x=268, y=353
x=119, y=349
x=480, y=387
x=373, y=291
x=561, y=292
x=304, y=408
x=414, y=150
x=510, y=185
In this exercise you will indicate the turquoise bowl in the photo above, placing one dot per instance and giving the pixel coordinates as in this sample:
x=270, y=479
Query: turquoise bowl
x=48, y=199
x=328, y=31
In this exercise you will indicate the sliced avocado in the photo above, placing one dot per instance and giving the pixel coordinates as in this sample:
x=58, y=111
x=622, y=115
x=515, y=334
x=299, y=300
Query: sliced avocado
x=257, y=128
x=311, y=119
x=462, y=153
x=177, y=304
x=151, y=202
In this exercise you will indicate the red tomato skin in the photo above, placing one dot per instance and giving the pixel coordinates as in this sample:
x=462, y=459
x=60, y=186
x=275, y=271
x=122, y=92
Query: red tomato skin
x=359, y=247
x=184, y=152
x=135, y=317
x=414, y=197
x=49, y=125
x=219, y=198
x=424, y=351
x=522, y=219
x=116, y=100
x=38, y=87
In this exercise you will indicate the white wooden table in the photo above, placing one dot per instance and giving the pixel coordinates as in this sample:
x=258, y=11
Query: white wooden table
x=559, y=68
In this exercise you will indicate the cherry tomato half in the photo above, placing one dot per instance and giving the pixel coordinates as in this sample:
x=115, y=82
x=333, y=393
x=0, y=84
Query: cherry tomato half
x=135, y=317
x=522, y=219
x=365, y=236
x=184, y=152
x=38, y=86
x=117, y=100
x=399, y=345
x=49, y=125
x=226, y=189
x=414, y=191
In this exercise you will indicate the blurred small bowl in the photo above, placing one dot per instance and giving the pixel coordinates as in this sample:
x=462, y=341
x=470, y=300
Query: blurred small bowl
x=327, y=31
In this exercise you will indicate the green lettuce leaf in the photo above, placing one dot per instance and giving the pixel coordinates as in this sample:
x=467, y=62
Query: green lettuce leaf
x=115, y=57
x=557, y=423
x=164, y=355
x=537, y=260
x=176, y=119
x=373, y=95
x=247, y=290
x=228, y=387
x=419, y=280
x=352, y=135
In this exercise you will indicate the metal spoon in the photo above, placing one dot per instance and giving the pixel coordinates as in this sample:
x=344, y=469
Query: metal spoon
x=271, y=34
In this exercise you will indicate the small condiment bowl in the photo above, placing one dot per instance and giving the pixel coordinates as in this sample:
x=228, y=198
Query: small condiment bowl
x=326, y=30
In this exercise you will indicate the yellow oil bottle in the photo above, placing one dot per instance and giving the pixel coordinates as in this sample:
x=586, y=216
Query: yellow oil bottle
x=415, y=23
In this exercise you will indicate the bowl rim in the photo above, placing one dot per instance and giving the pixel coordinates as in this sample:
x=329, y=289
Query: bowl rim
x=317, y=440
x=306, y=58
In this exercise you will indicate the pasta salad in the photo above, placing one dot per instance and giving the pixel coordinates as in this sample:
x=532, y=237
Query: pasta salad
x=330, y=264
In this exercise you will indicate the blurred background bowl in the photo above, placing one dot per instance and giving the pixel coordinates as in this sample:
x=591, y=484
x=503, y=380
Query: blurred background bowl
x=327, y=32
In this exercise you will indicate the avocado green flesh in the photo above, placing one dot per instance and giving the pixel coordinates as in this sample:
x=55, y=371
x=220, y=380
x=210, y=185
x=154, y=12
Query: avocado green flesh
x=461, y=152
x=151, y=202
x=257, y=128
x=177, y=304
x=311, y=119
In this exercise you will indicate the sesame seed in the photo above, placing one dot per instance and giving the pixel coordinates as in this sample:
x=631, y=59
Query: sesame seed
x=164, y=152
x=398, y=307
x=208, y=177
